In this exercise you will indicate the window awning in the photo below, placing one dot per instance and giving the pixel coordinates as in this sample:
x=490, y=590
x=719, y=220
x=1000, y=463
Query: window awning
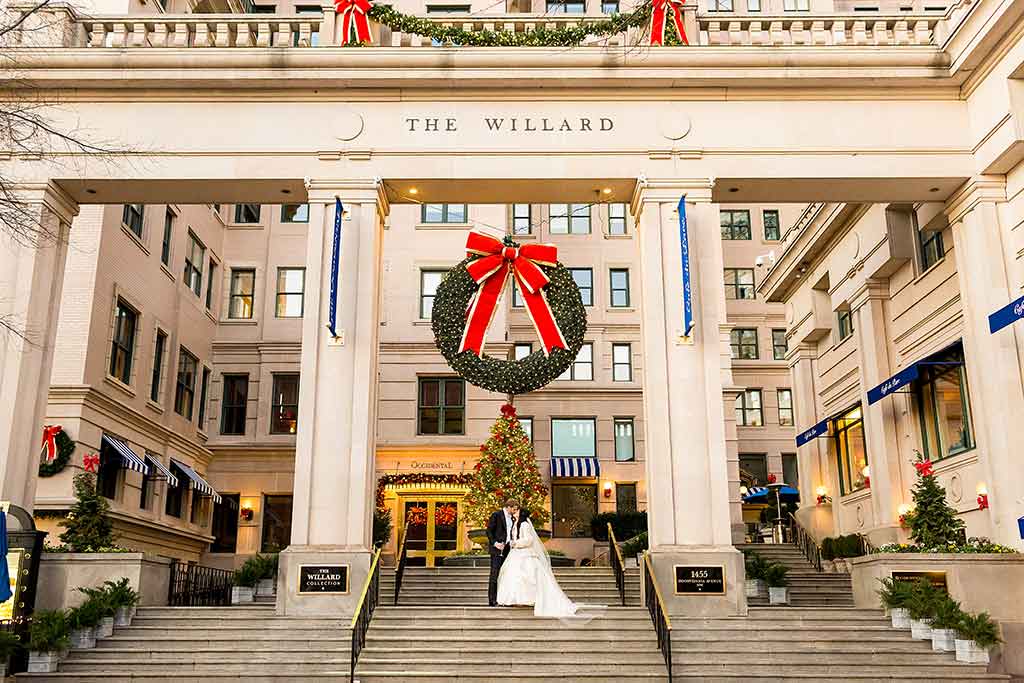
x=908, y=375
x=574, y=467
x=198, y=483
x=129, y=458
x=161, y=470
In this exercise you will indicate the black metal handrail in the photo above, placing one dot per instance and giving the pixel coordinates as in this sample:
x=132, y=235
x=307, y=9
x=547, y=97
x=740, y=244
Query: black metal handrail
x=618, y=566
x=403, y=556
x=364, y=610
x=804, y=543
x=192, y=585
x=656, y=606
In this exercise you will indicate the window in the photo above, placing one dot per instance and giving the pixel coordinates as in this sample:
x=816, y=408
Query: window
x=566, y=6
x=159, y=347
x=234, y=404
x=225, y=524
x=573, y=506
x=521, y=351
x=584, y=278
x=790, y=471
x=165, y=244
x=851, y=451
x=798, y=5
x=442, y=406
x=527, y=423
x=755, y=465
x=204, y=387
x=779, y=345
x=243, y=284
x=209, y=284
x=197, y=509
x=429, y=280
x=625, y=497
x=772, y=231
x=264, y=9
x=122, y=346
x=570, y=219
x=610, y=6
x=195, y=254
x=743, y=342
x=944, y=406
x=521, y=219
x=573, y=437
x=739, y=283
x=748, y=409
x=735, y=223
x=720, y=5
x=109, y=472
x=622, y=363
x=517, y=296
x=146, y=490
x=844, y=323
x=175, y=495
x=753, y=5
x=295, y=213
x=443, y=213
x=619, y=278
x=448, y=9
x=932, y=250
x=277, y=523
x=291, y=284
x=785, y=397
x=132, y=218
x=185, y=389
x=616, y=212
x=583, y=367
x=284, y=404
x=623, y=429
x=247, y=213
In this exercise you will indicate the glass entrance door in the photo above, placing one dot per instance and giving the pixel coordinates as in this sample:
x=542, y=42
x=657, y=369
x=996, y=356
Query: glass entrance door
x=433, y=529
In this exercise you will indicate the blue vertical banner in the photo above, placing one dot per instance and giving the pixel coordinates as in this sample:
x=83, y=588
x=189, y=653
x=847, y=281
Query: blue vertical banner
x=332, y=310
x=5, y=576
x=684, y=253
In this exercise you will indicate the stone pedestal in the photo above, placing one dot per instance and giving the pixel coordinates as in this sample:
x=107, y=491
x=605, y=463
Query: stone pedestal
x=733, y=602
x=293, y=603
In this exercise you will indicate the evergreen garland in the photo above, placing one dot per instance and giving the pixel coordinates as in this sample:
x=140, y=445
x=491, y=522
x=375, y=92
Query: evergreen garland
x=932, y=521
x=65, y=448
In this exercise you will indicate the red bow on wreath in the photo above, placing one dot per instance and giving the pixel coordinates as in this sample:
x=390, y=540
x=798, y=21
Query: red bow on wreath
x=924, y=468
x=498, y=261
x=659, y=18
x=50, y=442
x=354, y=17
x=91, y=461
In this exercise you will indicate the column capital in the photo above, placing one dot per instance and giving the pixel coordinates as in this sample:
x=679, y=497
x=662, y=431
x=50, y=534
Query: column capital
x=659, y=190
x=325, y=190
x=50, y=195
x=982, y=188
x=869, y=290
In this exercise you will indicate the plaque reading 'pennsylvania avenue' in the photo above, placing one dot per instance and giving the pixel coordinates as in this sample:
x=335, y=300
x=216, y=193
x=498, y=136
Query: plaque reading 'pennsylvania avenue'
x=323, y=578
x=700, y=580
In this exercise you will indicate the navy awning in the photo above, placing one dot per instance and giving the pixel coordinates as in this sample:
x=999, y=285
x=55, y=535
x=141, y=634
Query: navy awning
x=814, y=432
x=198, y=483
x=1007, y=315
x=129, y=458
x=764, y=491
x=908, y=375
x=574, y=467
x=162, y=471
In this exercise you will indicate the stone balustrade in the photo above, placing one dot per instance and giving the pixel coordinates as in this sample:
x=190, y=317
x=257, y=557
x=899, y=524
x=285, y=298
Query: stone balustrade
x=818, y=30
x=203, y=30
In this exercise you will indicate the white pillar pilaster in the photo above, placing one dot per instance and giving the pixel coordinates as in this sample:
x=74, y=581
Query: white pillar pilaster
x=812, y=458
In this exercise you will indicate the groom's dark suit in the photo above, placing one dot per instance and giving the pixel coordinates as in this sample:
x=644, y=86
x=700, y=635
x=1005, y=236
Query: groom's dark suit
x=497, y=532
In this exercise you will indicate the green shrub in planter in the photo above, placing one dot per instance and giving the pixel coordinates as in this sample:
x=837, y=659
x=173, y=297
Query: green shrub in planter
x=624, y=524
x=756, y=565
x=381, y=526
x=248, y=574
x=121, y=593
x=101, y=601
x=10, y=644
x=87, y=615
x=980, y=628
x=775, y=575
x=894, y=594
x=828, y=549
x=635, y=545
x=49, y=631
x=923, y=599
x=947, y=613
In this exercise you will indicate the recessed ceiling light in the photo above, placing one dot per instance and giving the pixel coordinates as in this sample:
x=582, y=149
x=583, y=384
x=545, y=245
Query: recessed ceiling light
x=933, y=189
x=90, y=191
x=413, y=190
x=286, y=191
x=734, y=189
x=606, y=190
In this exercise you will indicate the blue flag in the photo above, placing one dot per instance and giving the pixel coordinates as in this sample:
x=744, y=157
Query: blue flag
x=332, y=311
x=5, y=576
x=684, y=253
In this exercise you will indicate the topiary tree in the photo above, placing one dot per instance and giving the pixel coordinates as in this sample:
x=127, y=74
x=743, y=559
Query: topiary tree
x=507, y=469
x=88, y=528
x=933, y=522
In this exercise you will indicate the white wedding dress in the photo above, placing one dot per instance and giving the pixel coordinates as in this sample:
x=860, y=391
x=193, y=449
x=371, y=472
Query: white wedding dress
x=526, y=578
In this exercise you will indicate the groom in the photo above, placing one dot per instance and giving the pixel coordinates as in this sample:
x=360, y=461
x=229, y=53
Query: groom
x=499, y=542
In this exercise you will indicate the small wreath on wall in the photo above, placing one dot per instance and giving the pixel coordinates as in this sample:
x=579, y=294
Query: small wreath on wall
x=64, y=448
x=458, y=293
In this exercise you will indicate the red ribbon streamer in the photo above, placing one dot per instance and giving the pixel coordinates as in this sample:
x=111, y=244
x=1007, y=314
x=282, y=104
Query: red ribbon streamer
x=50, y=442
x=91, y=462
x=354, y=16
x=660, y=16
x=497, y=261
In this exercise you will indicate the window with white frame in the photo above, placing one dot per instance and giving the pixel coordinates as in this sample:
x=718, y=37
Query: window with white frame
x=122, y=346
x=619, y=282
x=570, y=219
x=739, y=283
x=132, y=217
x=243, y=287
x=247, y=214
x=522, y=217
x=583, y=367
x=785, y=397
x=624, y=445
x=616, y=219
x=291, y=288
x=429, y=281
x=584, y=278
x=748, y=409
x=622, y=363
x=195, y=254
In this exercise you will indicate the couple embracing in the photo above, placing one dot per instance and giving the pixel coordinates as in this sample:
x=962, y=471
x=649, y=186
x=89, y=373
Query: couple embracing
x=521, y=571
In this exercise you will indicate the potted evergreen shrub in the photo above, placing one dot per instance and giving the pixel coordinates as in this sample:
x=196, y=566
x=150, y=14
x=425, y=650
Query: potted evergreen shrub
x=48, y=638
x=828, y=554
x=921, y=607
x=105, y=606
x=124, y=599
x=755, y=566
x=947, y=617
x=894, y=596
x=775, y=577
x=266, y=567
x=634, y=548
x=246, y=578
x=976, y=633
x=10, y=644
x=82, y=621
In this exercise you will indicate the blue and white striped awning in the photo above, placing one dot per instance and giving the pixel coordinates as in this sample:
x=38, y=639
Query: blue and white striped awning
x=574, y=467
x=128, y=457
x=162, y=471
x=196, y=482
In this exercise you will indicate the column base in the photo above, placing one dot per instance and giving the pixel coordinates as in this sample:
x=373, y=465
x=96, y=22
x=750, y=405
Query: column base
x=732, y=603
x=329, y=603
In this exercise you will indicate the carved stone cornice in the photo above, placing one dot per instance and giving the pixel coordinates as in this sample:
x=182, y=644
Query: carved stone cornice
x=975, y=191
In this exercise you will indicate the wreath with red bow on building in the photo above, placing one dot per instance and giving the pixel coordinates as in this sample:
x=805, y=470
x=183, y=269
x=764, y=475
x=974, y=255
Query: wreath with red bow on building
x=55, y=451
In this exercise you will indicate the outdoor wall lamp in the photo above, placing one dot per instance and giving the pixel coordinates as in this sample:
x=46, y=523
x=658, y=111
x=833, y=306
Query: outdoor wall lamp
x=607, y=489
x=982, y=496
x=822, y=493
x=247, y=514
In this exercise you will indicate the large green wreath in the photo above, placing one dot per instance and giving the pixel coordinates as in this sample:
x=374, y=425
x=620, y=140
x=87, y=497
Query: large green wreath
x=65, y=447
x=498, y=374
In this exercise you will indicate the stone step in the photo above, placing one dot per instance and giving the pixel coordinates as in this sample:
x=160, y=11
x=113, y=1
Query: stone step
x=340, y=665
x=684, y=659
x=742, y=624
x=582, y=674
x=490, y=613
x=462, y=657
x=783, y=647
x=485, y=665
x=582, y=641
x=777, y=670
x=282, y=642
x=257, y=676
x=238, y=611
x=459, y=581
x=268, y=621
x=769, y=676
x=241, y=634
x=788, y=634
x=213, y=655
x=846, y=614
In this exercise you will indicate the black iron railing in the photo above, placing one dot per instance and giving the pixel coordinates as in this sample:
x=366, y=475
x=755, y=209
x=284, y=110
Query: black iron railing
x=659, y=615
x=364, y=610
x=195, y=586
x=618, y=566
x=403, y=556
x=804, y=543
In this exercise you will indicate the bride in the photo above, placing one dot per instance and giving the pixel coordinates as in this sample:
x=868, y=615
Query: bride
x=526, y=578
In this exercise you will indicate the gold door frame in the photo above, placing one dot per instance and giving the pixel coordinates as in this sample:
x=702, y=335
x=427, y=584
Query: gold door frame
x=432, y=498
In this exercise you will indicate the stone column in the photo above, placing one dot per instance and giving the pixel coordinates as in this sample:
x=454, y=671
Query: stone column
x=31, y=278
x=688, y=495
x=334, y=452
x=732, y=450
x=812, y=458
x=984, y=254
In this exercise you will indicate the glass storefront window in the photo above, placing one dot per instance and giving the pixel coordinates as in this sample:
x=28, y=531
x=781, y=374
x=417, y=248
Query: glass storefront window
x=573, y=505
x=277, y=523
x=851, y=450
x=573, y=438
x=944, y=406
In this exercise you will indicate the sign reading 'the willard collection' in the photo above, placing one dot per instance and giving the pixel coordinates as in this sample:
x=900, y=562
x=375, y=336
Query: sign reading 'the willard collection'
x=700, y=580
x=323, y=578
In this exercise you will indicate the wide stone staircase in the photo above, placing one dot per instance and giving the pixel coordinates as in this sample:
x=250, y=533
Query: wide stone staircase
x=807, y=586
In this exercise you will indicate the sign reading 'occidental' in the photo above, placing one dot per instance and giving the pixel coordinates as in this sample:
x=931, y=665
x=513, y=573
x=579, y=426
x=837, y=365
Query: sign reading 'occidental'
x=512, y=124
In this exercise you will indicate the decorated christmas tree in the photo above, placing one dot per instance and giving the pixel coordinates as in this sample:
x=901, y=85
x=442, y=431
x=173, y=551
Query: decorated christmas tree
x=507, y=469
x=87, y=527
x=932, y=522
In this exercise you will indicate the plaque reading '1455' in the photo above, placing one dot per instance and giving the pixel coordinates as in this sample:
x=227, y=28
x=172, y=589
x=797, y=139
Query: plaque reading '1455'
x=700, y=580
x=323, y=578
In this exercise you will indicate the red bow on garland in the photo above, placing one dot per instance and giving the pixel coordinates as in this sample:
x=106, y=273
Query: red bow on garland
x=659, y=17
x=354, y=17
x=91, y=461
x=924, y=468
x=497, y=262
x=50, y=442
